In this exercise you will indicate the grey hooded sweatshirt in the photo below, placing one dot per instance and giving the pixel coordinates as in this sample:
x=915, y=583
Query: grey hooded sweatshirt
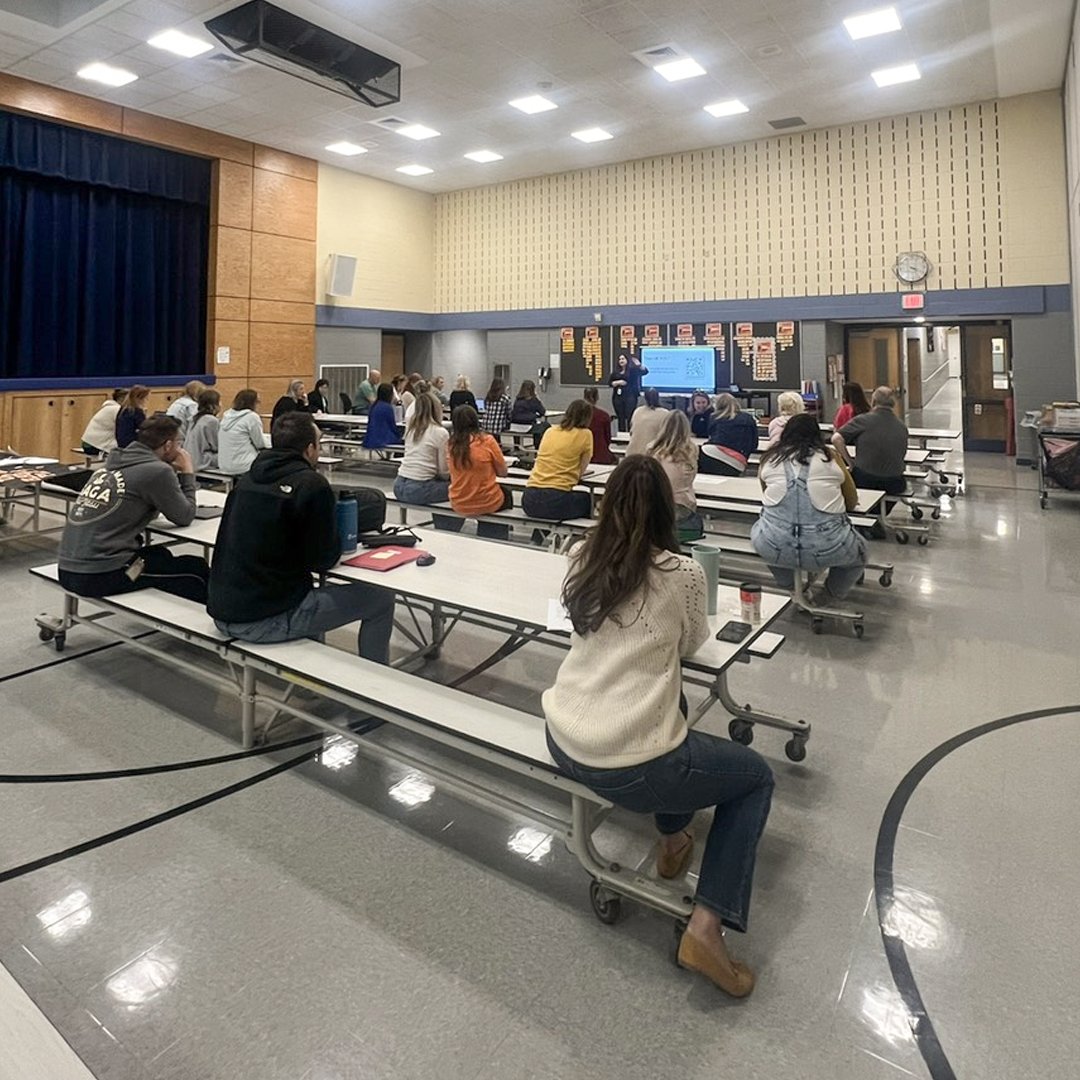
x=104, y=528
x=240, y=438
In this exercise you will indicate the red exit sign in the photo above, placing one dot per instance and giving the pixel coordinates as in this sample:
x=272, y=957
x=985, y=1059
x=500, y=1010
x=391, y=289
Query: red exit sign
x=912, y=301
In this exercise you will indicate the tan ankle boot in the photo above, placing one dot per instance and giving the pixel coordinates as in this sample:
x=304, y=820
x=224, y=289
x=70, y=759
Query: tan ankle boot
x=674, y=865
x=731, y=976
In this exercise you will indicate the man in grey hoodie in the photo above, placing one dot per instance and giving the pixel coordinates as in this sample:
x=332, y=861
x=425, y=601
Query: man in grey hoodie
x=101, y=550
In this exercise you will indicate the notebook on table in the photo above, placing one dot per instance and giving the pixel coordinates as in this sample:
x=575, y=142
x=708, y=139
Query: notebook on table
x=385, y=558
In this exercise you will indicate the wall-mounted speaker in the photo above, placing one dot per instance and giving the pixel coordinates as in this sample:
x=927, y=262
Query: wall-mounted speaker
x=341, y=275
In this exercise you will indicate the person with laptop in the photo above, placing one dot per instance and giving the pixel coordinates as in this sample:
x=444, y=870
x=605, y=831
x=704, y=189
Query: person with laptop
x=278, y=529
x=102, y=551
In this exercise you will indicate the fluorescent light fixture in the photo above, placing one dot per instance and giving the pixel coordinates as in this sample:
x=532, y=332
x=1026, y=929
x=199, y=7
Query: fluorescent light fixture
x=592, y=135
x=726, y=108
x=894, y=75
x=107, y=74
x=484, y=156
x=182, y=44
x=533, y=104
x=347, y=149
x=675, y=70
x=417, y=131
x=884, y=21
x=414, y=170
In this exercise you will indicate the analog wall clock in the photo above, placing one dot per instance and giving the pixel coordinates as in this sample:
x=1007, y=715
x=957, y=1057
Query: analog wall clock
x=911, y=266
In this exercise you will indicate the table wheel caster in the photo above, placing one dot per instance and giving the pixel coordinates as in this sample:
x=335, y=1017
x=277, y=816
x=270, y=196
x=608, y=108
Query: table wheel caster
x=935, y=514
x=916, y=513
x=924, y=540
x=795, y=748
x=606, y=905
x=859, y=629
x=817, y=624
x=885, y=580
x=901, y=536
x=741, y=731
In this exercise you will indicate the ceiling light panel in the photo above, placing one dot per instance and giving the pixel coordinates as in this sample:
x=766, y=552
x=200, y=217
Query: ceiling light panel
x=107, y=74
x=872, y=23
x=346, y=149
x=676, y=70
x=414, y=170
x=894, y=75
x=592, y=135
x=727, y=108
x=484, y=156
x=417, y=131
x=533, y=104
x=182, y=44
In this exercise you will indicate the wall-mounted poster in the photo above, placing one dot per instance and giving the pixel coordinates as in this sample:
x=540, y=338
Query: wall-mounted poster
x=585, y=355
x=765, y=356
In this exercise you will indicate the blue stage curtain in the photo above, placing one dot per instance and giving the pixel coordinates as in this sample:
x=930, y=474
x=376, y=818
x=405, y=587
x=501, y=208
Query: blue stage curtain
x=104, y=248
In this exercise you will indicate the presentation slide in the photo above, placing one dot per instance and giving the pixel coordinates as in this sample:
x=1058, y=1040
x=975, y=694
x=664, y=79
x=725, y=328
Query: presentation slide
x=680, y=370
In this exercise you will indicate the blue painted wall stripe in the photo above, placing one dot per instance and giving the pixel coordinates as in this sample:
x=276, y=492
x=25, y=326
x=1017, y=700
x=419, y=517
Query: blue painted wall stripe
x=942, y=304
x=102, y=383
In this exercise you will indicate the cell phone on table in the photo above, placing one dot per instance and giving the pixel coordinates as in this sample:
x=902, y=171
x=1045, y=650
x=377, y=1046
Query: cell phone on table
x=733, y=632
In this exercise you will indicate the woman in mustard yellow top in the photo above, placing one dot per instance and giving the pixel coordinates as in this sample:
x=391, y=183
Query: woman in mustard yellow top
x=561, y=461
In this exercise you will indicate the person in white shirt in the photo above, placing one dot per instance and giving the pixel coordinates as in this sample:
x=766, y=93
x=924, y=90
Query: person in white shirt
x=100, y=434
x=807, y=493
x=677, y=453
x=616, y=718
x=423, y=477
x=646, y=423
x=240, y=435
x=185, y=406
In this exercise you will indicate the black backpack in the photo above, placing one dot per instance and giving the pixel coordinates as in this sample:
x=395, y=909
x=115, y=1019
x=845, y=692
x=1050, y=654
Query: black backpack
x=370, y=508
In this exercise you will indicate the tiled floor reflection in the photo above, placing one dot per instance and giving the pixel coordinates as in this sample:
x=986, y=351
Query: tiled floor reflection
x=349, y=920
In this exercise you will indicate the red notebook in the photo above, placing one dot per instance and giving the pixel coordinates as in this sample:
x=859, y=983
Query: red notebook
x=385, y=558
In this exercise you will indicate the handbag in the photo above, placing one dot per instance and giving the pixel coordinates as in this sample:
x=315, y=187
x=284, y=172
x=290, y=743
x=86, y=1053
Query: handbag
x=370, y=508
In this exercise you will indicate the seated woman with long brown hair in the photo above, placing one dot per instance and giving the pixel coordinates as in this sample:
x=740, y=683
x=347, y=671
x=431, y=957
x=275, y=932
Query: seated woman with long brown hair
x=638, y=608
x=476, y=463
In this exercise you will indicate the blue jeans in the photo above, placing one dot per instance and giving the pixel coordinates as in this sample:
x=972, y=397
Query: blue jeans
x=326, y=609
x=426, y=493
x=704, y=771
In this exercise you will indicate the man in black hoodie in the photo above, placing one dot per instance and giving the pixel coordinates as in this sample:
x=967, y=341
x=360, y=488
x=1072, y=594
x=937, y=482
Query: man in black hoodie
x=279, y=527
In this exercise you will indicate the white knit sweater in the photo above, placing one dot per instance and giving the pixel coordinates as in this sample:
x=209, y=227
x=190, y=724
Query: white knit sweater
x=615, y=702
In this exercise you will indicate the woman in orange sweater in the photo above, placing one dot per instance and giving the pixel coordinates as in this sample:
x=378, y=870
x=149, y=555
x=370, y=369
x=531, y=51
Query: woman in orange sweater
x=476, y=463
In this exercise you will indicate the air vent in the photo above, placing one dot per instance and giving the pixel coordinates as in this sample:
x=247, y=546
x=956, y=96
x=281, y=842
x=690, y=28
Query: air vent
x=787, y=122
x=264, y=33
x=767, y=52
x=659, y=54
x=392, y=123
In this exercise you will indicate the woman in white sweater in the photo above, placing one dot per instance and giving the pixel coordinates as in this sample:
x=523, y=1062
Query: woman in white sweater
x=638, y=608
x=100, y=434
x=646, y=423
x=423, y=477
x=240, y=436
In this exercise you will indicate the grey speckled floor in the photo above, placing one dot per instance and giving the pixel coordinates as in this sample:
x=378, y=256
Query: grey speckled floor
x=350, y=921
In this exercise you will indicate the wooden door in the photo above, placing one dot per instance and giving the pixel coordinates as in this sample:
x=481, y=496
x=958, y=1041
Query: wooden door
x=393, y=356
x=36, y=424
x=75, y=413
x=986, y=364
x=873, y=359
x=914, y=373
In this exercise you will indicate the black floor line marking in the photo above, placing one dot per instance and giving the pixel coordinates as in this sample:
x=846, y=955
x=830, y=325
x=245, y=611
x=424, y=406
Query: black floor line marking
x=168, y=815
x=70, y=657
x=152, y=770
x=922, y=1026
x=150, y=822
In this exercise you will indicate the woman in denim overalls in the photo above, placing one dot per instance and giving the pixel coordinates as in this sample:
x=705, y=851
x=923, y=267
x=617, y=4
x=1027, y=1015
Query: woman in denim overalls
x=804, y=523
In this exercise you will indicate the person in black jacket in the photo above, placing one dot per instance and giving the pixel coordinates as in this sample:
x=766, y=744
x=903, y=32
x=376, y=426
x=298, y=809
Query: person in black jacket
x=279, y=527
x=293, y=400
x=317, y=401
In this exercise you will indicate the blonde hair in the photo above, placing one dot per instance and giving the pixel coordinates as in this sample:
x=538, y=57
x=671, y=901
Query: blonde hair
x=294, y=387
x=194, y=389
x=790, y=403
x=462, y=382
x=674, y=441
x=725, y=407
x=427, y=412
